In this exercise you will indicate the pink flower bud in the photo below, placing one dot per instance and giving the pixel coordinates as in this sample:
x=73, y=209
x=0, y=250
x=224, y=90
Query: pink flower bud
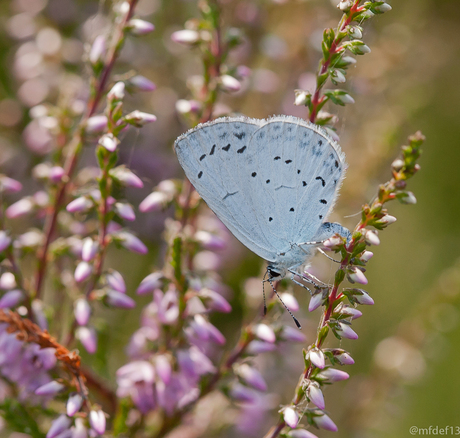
x=154, y=202
x=79, y=205
x=346, y=331
x=125, y=211
x=96, y=124
x=354, y=313
x=187, y=106
x=315, y=301
x=256, y=347
x=82, y=271
x=140, y=27
x=97, y=421
x=7, y=281
x=209, y=241
x=80, y=430
x=185, y=36
x=89, y=249
x=82, y=311
x=301, y=433
x=87, y=336
x=333, y=242
x=50, y=388
x=344, y=359
x=139, y=119
x=109, y=142
x=355, y=275
x=316, y=357
x=74, y=403
x=97, y=50
x=366, y=256
x=19, y=208
x=372, y=238
x=119, y=299
x=324, y=422
x=229, y=83
x=115, y=281
x=131, y=242
x=363, y=298
x=142, y=84
x=5, y=241
x=264, y=333
x=126, y=177
x=215, y=301
x=332, y=375
x=163, y=368
x=9, y=185
x=292, y=334
x=56, y=174
x=243, y=394
x=251, y=376
x=61, y=424
x=11, y=299
x=315, y=395
x=117, y=92
x=291, y=417
x=290, y=301
x=150, y=283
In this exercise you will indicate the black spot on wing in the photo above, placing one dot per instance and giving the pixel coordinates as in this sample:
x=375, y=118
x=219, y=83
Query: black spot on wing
x=254, y=174
x=277, y=158
x=288, y=161
x=239, y=135
x=270, y=219
x=320, y=216
x=323, y=201
x=268, y=181
x=298, y=171
x=241, y=150
x=200, y=174
x=226, y=148
x=202, y=157
x=223, y=135
x=304, y=183
x=336, y=164
x=212, y=149
x=291, y=209
x=323, y=183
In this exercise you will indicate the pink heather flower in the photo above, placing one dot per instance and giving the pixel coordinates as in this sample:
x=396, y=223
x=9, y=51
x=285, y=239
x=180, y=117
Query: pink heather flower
x=354, y=313
x=243, y=394
x=168, y=306
x=19, y=208
x=7, y=281
x=355, y=275
x=87, y=336
x=346, y=331
x=193, y=363
x=292, y=334
x=74, y=403
x=324, y=422
x=290, y=301
x=50, y=388
x=256, y=347
x=11, y=299
x=264, y=333
x=5, y=241
x=82, y=271
x=126, y=177
x=301, y=433
x=139, y=119
x=344, y=359
x=363, y=298
x=115, y=281
x=142, y=84
x=333, y=242
x=372, y=238
x=97, y=49
x=97, y=421
x=215, y=301
x=79, y=205
x=89, y=249
x=316, y=357
x=316, y=395
x=41, y=199
x=140, y=27
x=9, y=185
x=58, y=426
x=79, y=431
x=332, y=375
x=210, y=241
x=119, y=299
x=366, y=256
x=251, y=376
x=291, y=417
x=163, y=368
x=229, y=83
x=187, y=106
x=82, y=311
x=315, y=301
x=109, y=142
x=125, y=211
x=56, y=174
x=137, y=371
x=185, y=36
x=96, y=124
x=117, y=92
x=205, y=331
x=150, y=283
x=131, y=242
x=154, y=202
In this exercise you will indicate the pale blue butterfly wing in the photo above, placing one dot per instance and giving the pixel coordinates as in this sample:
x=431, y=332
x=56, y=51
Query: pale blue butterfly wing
x=271, y=182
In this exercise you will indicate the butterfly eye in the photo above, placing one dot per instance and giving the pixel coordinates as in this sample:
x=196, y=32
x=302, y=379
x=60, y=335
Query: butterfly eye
x=273, y=273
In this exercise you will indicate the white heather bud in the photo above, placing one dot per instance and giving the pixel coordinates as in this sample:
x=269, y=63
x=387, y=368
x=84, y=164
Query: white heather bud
x=140, y=27
x=387, y=219
x=397, y=164
x=348, y=60
x=187, y=106
x=139, y=118
x=372, y=238
x=346, y=98
x=97, y=50
x=19, y=208
x=317, y=358
x=89, y=249
x=82, y=271
x=355, y=275
x=315, y=395
x=333, y=242
x=385, y=7
x=345, y=5
x=355, y=32
x=264, y=333
x=96, y=124
x=302, y=97
x=291, y=417
x=5, y=241
x=229, y=83
x=154, y=202
x=109, y=142
x=338, y=77
x=346, y=331
x=366, y=256
x=186, y=36
x=408, y=198
x=117, y=92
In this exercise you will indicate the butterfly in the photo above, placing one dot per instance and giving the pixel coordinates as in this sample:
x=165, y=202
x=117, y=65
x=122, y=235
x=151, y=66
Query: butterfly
x=272, y=182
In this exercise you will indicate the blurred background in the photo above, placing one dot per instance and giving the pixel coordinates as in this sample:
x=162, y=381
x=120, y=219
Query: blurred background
x=406, y=358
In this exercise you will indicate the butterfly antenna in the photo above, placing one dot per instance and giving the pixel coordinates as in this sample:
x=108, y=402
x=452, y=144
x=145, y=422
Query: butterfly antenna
x=297, y=323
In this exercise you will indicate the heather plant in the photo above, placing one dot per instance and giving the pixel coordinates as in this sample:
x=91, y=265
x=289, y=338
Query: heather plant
x=60, y=285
